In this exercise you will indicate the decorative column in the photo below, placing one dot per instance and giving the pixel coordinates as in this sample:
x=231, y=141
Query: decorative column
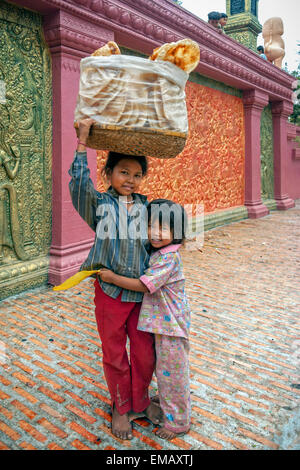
x=254, y=103
x=281, y=111
x=70, y=38
x=243, y=24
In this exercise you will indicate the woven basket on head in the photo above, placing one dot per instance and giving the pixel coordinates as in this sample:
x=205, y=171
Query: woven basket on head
x=136, y=141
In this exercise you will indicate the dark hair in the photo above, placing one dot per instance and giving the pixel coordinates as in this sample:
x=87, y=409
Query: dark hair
x=172, y=213
x=223, y=15
x=260, y=48
x=214, y=15
x=114, y=158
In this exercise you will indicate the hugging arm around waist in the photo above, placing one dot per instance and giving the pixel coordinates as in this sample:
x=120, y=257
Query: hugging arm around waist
x=122, y=281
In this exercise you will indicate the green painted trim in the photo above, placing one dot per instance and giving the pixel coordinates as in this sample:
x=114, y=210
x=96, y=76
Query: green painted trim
x=270, y=203
x=126, y=51
x=224, y=217
x=208, y=82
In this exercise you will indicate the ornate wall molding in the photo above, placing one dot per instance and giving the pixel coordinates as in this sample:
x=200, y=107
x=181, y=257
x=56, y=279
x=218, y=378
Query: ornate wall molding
x=150, y=24
x=67, y=33
x=255, y=99
x=291, y=131
x=282, y=109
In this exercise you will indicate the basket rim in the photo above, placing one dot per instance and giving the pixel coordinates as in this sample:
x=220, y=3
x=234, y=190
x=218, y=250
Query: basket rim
x=142, y=130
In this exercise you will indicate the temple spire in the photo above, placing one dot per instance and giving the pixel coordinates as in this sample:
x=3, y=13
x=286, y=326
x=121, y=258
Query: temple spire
x=243, y=24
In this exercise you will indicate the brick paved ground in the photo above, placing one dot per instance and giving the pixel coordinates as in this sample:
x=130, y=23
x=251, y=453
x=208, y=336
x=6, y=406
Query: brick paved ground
x=245, y=325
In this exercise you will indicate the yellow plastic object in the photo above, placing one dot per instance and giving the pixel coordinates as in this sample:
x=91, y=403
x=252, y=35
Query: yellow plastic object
x=74, y=280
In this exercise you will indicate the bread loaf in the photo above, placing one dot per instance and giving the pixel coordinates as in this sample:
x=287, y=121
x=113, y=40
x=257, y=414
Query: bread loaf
x=184, y=53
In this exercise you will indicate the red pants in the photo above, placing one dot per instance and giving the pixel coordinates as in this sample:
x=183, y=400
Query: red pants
x=127, y=382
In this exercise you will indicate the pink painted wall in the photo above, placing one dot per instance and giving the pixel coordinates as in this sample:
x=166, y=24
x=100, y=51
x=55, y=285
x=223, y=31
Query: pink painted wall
x=75, y=28
x=66, y=249
x=293, y=161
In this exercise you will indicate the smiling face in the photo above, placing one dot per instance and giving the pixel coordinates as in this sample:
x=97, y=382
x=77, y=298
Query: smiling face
x=214, y=23
x=223, y=21
x=126, y=177
x=159, y=235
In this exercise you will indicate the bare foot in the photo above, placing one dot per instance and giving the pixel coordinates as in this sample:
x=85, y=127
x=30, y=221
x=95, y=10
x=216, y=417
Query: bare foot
x=120, y=425
x=154, y=413
x=167, y=434
x=155, y=399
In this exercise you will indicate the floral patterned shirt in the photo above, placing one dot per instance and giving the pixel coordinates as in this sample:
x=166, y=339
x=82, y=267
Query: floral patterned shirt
x=165, y=309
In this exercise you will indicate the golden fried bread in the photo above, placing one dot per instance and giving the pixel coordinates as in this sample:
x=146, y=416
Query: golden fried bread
x=184, y=53
x=109, y=49
x=138, y=96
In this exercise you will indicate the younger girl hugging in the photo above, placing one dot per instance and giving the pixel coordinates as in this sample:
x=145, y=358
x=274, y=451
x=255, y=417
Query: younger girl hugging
x=110, y=215
x=165, y=312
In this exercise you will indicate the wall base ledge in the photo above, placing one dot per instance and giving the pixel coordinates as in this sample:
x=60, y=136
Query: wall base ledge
x=285, y=203
x=23, y=275
x=66, y=261
x=255, y=211
x=224, y=217
x=270, y=204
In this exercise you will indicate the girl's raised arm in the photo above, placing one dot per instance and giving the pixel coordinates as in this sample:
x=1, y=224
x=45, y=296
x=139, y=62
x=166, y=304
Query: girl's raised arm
x=82, y=191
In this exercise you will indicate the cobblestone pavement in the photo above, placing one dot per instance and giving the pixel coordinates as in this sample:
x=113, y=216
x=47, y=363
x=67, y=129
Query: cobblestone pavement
x=244, y=293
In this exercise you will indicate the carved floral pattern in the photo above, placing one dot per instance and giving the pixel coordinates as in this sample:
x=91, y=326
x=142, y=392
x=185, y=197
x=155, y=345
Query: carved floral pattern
x=266, y=153
x=26, y=136
x=210, y=170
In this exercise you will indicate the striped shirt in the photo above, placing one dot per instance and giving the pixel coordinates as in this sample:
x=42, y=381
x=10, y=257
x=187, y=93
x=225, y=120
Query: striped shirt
x=120, y=236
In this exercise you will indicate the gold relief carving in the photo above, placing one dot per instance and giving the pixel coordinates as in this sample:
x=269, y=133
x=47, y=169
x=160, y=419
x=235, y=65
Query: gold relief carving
x=246, y=38
x=10, y=156
x=20, y=17
x=210, y=170
x=25, y=144
x=266, y=154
